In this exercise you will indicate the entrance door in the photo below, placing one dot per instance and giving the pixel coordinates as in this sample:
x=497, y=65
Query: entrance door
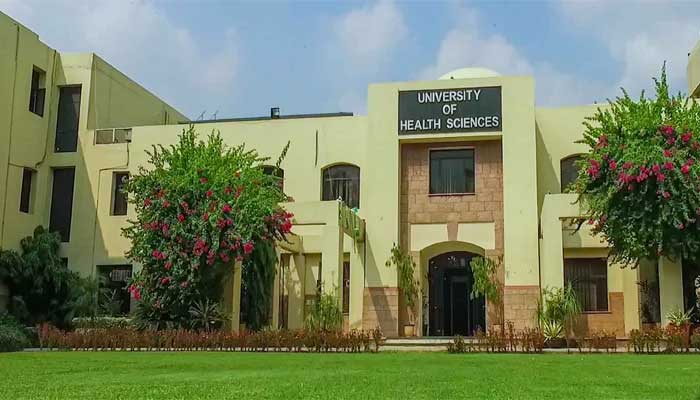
x=451, y=310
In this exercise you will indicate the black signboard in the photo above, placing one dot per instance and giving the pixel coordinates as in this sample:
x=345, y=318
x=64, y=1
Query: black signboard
x=450, y=110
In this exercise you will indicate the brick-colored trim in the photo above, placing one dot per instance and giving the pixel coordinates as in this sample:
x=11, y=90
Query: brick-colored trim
x=381, y=309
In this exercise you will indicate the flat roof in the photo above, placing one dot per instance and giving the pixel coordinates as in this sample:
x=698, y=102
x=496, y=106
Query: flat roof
x=290, y=116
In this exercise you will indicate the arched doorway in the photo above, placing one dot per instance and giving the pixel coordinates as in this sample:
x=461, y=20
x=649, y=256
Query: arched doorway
x=451, y=310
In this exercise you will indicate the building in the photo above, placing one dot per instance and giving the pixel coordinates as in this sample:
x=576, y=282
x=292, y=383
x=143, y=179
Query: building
x=460, y=166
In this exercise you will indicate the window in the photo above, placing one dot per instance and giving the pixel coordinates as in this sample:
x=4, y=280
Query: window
x=452, y=171
x=346, y=288
x=342, y=182
x=25, y=199
x=37, y=92
x=589, y=278
x=569, y=171
x=119, y=197
x=111, y=136
x=62, y=202
x=274, y=171
x=68, y=118
x=114, y=294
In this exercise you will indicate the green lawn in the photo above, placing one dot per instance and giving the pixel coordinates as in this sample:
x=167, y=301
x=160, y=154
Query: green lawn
x=85, y=375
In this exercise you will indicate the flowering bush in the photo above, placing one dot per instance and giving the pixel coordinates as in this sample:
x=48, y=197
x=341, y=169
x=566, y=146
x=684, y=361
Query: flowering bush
x=200, y=206
x=639, y=184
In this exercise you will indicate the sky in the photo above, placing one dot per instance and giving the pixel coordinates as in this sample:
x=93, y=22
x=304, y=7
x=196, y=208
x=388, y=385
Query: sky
x=224, y=59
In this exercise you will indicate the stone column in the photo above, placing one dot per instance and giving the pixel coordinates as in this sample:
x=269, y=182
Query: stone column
x=670, y=287
x=332, y=261
x=232, y=298
x=295, y=288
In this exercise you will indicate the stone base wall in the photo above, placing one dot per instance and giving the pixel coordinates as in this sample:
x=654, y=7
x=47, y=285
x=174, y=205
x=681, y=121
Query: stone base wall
x=609, y=321
x=381, y=309
x=520, y=305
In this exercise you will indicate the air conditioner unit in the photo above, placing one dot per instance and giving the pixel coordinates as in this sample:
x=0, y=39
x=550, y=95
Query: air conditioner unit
x=127, y=136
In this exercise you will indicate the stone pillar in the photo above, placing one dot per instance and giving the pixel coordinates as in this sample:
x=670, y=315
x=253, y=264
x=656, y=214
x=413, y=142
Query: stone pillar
x=232, y=298
x=630, y=277
x=276, y=293
x=670, y=287
x=295, y=288
x=332, y=261
x=357, y=285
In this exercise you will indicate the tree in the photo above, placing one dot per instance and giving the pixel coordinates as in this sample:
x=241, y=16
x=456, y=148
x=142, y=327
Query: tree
x=42, y=288
x=639, y=184
x=200, y=206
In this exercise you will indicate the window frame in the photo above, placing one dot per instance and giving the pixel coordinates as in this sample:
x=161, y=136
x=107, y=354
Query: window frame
x=105, y=271
x=588, y=261
x=359, y=182
x=115, y=185
x=54, y=210
x=576, y=157
x=62, y=145
x=452, y=148
x=37, y=93
x=26, y=193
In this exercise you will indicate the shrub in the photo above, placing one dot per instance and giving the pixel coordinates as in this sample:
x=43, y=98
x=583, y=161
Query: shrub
x=101, y=323
x=200, y=206
x=326, y=314
x=42, y=288
x=12, y=334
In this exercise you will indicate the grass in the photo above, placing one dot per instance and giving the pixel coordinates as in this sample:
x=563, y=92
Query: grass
x=86, y=375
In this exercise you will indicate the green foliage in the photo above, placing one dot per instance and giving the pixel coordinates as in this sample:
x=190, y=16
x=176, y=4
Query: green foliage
x=258, y=278
x=200, y=206
x=486, y=281
x=639, y=184
x=93, y=299
x=558, y=306
x=326, y=314
x=405, y=267
x=12, y=334
x=101, y=322
x=679, y=318
x=206, y=315
x=42, y=288
x=552, y=329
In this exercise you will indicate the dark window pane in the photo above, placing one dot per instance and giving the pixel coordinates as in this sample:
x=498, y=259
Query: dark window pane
x=62, y=202
x=346, y=288
x=114, y=296
x=37, y=92
x=26, y=192
x=452, y=171
x=119, y=197
x=589, y=278
x=569, y=171
x=342, y=182
x=68, y=118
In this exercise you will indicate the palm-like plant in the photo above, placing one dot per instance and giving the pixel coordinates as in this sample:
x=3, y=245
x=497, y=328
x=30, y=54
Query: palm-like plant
x=206, y=315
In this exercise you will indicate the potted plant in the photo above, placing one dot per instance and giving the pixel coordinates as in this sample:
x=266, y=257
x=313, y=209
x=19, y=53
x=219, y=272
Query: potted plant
x=486, y=283
x=408, y=285
x=679, y=322
x=557, y=313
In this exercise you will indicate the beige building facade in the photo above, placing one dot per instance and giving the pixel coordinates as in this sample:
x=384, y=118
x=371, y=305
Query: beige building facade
x=449, y=169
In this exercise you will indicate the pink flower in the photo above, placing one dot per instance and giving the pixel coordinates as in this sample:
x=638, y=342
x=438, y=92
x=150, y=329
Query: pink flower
x=184, y=284
x=181, y=218
x=667, y=195
x=685, y=169
x=655, y=168
x=660, y=177
x=224, y=257
x=668, y=153
x=135, y=292
x=627, y=165
x=166, y=204
x=147, y=203
x=602, y=141
x=168, y=265
x=165, y=229
x=248, y=247
x=228, y=190
x=205, y=217
x=669, y=166
x=686, y=137
x=209, y=193
x=221, y=223
x=613, y=165
x=681, y=226
x=226, y=208
x=667, y=130
x=160, y=193
x=165, y=280
x=203, y=180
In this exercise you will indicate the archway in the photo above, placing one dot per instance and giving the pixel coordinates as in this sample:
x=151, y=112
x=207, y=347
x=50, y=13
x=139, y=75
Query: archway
x=451, y=310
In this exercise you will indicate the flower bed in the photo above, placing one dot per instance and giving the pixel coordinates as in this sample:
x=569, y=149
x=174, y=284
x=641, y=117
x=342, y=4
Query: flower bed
x=128, y=339
x=507, y=341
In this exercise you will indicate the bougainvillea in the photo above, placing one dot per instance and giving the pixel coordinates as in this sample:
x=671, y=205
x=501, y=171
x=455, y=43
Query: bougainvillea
x=639, y=185
x=200, y=207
